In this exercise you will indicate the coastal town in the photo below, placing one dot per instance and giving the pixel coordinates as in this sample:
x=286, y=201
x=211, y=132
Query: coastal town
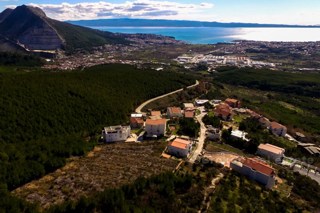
x=257, y=54
x=166, y=126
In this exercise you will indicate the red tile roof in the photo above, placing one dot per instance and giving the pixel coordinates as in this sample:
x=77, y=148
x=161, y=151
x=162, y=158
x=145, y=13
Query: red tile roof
x=156, y=121
x=223, y=109
x=180, y=143
x=258, y=165
x=136, y=120
x=174, y=110
x=189, y=114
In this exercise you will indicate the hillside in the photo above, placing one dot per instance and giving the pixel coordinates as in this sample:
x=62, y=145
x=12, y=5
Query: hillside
x=32, y=29
x=48, y=110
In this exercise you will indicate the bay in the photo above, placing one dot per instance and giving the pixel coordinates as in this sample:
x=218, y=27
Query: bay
x=212, y=35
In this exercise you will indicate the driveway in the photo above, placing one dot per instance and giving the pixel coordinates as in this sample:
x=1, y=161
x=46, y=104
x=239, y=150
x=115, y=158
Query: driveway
x=139, y=108
x=202, y=135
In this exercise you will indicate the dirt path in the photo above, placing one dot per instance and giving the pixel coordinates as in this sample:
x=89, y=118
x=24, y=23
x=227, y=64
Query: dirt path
x=139, y=108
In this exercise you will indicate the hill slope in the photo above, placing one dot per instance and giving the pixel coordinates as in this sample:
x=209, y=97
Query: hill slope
x=31, y=28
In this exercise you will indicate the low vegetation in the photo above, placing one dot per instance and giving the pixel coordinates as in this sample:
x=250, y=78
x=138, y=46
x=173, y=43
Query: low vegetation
x=236, y=193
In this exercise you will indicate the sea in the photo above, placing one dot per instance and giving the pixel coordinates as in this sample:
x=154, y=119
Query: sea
x=213, y=35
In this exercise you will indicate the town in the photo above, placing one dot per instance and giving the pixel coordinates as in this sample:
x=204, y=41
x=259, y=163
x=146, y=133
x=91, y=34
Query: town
x=188, y=128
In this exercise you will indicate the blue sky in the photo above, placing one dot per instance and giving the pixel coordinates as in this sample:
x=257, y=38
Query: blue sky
x=254, y=11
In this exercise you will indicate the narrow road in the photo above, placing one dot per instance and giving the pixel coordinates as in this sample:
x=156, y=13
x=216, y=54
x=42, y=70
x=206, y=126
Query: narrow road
x=139, y=108
x=202, y=136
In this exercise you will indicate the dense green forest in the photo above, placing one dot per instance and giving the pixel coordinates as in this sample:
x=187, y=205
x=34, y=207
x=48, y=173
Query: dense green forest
x=303, y=84
x=289, y=98
x=15, y=59
x=46, y=116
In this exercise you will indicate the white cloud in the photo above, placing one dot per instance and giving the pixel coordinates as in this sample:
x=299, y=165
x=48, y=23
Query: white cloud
x=131, y=9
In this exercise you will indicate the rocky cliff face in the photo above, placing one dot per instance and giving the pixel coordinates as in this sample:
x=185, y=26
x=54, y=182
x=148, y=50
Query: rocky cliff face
x=28, y=27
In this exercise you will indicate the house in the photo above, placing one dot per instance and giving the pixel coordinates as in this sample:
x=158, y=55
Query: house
x=136, y=121
x=278, y=129
x=213, y=133
x=174, y=112
x=155, y=127
x=116, y=133
x=239, y=135
x=255, y=169
x=223, y=111
x=234, y=103
x=310, y=148
x=180, y=147
x=271, y=152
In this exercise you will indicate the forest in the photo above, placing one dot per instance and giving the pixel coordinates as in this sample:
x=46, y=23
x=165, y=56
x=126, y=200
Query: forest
x=47, y=117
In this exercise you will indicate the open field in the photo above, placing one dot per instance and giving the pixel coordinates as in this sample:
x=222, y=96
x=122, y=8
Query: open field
x=107, y=166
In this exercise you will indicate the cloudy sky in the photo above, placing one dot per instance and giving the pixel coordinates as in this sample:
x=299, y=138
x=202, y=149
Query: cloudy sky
x=253, y=11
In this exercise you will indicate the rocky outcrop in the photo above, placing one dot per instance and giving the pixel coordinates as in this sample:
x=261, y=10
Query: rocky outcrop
x=29, y=28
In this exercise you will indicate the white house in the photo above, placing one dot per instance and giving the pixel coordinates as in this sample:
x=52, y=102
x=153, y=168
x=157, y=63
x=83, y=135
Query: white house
x=278, y=129
x=180, y=147
x=239, y=135
x=255, y=169
x=155, y=127
x=116, y=133
x=272, y=152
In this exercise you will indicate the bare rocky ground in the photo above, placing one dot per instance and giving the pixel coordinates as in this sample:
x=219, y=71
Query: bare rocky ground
x=107, y=166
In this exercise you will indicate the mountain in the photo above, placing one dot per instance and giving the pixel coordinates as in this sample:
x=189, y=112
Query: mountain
x=126, y=22
x=29, y=27
x=5, y=14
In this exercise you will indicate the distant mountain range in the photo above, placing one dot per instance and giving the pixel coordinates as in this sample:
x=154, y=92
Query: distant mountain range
x=126, y=22
x=28, y=28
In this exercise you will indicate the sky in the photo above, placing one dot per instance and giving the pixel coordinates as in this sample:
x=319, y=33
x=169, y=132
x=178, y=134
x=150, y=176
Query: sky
x=305, y=12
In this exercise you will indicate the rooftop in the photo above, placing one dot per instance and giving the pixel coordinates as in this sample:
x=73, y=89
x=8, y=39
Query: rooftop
x=136, y=115
x=257, y=165
x=231, y=100
x=155, y=113
x=180, y=143
x=271, y=148
x=275, y=125
x=115, y=128
x=189, y=114
x=156, y=121
x=188, y=105
x=175, y=110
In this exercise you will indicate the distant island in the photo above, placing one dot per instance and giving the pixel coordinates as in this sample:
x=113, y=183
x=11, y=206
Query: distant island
x=127, y=22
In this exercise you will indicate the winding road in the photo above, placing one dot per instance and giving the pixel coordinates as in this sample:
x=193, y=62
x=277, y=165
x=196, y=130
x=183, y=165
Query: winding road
x=139, y=108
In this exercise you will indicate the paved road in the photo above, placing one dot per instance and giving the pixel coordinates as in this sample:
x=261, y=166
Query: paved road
x=202, y=136
x=139, y=108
